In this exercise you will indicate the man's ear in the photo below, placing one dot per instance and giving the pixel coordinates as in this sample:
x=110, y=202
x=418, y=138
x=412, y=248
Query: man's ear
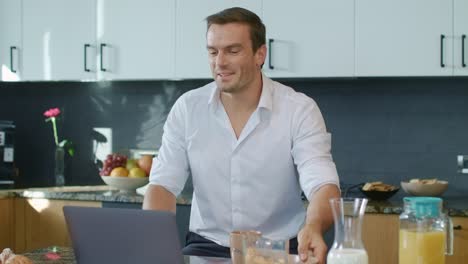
x=260, y=55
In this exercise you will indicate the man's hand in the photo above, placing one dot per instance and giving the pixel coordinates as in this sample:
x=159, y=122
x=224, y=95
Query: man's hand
x=319, y=219
x=310, y=240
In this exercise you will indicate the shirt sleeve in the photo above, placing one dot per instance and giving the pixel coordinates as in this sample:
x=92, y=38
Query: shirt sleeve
x=311, y=148
x=170, y=168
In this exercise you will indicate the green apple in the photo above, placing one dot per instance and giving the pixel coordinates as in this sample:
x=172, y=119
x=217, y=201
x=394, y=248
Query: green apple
x=131, y=163
x=137, y=173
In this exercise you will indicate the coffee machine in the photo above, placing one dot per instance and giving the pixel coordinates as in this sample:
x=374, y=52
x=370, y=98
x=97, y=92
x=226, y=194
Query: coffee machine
x=7, y=154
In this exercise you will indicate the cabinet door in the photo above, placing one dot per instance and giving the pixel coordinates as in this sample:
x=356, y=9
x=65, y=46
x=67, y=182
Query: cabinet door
x=311, y=38
x=380, y=237
x=403, y=38
x=136, y=39
x=40, y=223
x=6, y=223
x=10, y=40
x=460, y=53
x=191, y=54
x=55, y=33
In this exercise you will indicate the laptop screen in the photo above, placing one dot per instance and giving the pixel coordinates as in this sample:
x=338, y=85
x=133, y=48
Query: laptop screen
x=116, y=235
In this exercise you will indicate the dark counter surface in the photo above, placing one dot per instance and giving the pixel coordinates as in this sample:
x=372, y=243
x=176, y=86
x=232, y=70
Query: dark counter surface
x=65, y=255
x=455, y=206
x=102, y=193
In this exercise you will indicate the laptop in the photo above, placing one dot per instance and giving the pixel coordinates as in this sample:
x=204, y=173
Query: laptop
x=115, y=235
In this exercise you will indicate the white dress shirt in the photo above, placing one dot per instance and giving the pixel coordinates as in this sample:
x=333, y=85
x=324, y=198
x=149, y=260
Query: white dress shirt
x=250, y=183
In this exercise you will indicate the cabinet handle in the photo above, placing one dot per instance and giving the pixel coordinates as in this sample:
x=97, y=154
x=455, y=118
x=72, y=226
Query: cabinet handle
x=270, y=65
x=11, y=58
x=86, y=46
x=102, y=56
x=457, y=227
x=442, y=37
x=463, y=50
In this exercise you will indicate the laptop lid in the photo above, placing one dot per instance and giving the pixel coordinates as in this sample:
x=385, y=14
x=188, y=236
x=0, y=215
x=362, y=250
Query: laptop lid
x=115, y=235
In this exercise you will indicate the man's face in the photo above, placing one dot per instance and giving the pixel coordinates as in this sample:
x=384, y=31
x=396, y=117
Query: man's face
x=233, y=63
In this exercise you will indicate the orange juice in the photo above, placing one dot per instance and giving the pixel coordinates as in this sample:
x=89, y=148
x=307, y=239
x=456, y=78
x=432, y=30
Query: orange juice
x=418, y=247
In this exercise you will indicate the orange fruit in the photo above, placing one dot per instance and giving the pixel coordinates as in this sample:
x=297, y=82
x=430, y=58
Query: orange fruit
x=119, y=171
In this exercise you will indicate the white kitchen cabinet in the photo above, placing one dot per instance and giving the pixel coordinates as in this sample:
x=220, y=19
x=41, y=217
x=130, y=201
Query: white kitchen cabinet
x=136, y=39
x=309, y=38
x=59, y=39
x=191, y=53
x=404, y=38
x=460, y=37
x=10, y=40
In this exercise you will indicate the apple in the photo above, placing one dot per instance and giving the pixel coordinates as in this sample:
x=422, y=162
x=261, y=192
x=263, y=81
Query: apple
x=144, y=162
x=131, y=163
x=137, y=173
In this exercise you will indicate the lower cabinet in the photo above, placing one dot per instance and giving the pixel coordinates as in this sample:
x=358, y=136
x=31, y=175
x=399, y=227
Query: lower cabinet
x=7, y=222
x=40, y=223
x=380, y=236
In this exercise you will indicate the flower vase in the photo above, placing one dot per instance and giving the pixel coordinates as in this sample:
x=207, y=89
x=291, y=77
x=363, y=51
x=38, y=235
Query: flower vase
x=59, y=171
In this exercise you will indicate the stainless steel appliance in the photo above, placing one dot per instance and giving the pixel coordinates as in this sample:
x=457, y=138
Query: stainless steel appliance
x=7, y=154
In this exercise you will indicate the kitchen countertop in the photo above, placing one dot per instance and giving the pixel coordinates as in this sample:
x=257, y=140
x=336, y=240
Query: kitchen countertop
x=455, y=206
x=65, y=255
x=100, y=193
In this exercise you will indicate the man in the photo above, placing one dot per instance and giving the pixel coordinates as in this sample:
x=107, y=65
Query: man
x=251, y=145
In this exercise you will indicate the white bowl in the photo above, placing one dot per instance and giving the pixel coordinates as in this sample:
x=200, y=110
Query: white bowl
x=421, y=189
x=125, y=184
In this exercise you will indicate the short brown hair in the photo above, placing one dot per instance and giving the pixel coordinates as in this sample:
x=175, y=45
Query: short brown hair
x=243, y=16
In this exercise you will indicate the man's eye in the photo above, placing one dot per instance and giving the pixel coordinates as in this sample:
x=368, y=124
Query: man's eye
x=234, y=51
x=212, y=52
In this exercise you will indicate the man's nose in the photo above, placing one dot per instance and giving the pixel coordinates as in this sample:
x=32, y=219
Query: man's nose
x=221, y=59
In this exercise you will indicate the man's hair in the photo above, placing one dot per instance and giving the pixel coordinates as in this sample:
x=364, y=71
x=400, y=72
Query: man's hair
x=242, y=16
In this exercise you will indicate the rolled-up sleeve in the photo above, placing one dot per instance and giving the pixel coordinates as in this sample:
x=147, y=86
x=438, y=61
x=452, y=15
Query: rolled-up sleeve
x=170, y=168
x=311, y=149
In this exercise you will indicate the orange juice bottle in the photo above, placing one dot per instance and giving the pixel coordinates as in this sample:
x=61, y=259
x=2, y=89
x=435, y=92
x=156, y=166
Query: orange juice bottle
x=423, y=232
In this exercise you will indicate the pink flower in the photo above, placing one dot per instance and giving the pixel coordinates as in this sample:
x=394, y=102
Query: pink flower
x=53, y=112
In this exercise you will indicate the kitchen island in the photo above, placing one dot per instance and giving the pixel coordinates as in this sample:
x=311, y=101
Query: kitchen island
x=38, y=220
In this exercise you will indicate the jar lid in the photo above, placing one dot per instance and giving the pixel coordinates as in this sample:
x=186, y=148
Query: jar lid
x=424, y=206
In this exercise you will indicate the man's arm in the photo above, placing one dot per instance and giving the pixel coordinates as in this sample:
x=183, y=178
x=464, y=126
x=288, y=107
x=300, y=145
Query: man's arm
x=319, y=219
x=158, y=198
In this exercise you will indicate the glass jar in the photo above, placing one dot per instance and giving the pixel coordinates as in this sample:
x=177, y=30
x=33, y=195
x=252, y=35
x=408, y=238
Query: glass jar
x=347, y=247
x=426, y=234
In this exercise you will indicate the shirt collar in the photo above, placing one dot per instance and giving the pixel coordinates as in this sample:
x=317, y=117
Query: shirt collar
x=266, y=97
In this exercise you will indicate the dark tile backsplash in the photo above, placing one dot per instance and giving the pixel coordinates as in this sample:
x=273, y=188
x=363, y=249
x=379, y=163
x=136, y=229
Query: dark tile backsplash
x=388, y=129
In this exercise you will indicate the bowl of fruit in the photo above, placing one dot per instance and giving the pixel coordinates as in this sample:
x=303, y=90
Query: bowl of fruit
x=126, y=174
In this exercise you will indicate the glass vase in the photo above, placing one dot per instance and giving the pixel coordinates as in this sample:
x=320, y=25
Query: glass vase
x=59, y=170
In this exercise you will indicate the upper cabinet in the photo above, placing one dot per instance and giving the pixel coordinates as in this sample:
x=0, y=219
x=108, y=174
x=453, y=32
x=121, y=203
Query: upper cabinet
x=191, y=53
x=136, y=39
x=59, y=39
x=460, y=44
x=404, y=38
x=166, y=39
x=309, y=38
x=10, y=40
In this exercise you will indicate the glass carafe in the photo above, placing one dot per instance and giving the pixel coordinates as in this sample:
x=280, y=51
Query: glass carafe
x=348, y=247
x=426, y=234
